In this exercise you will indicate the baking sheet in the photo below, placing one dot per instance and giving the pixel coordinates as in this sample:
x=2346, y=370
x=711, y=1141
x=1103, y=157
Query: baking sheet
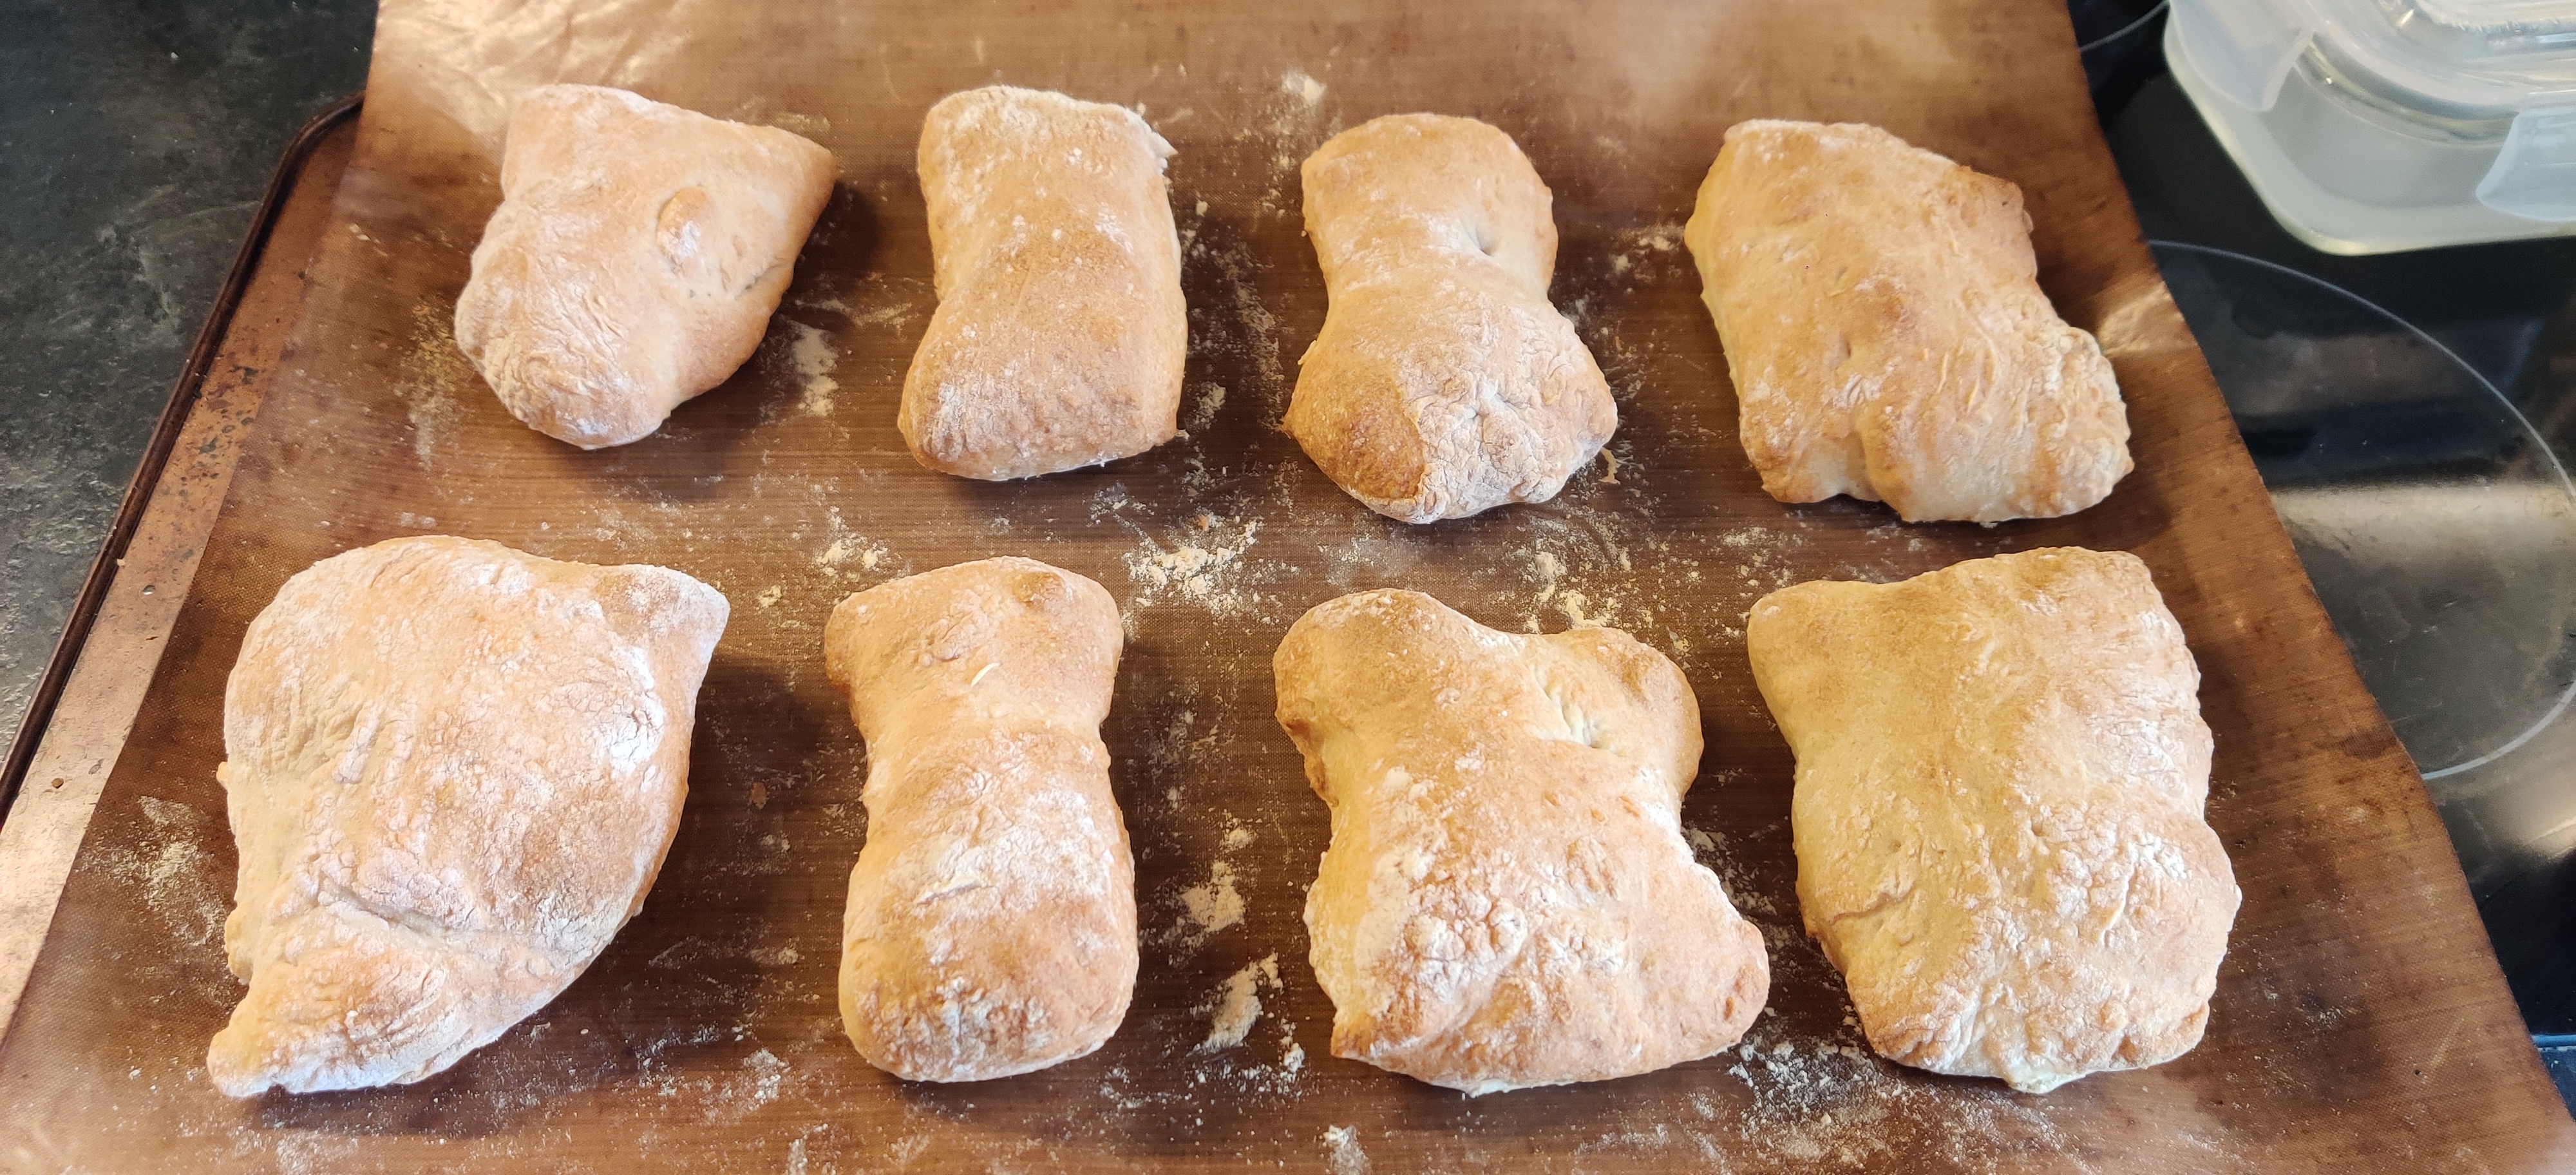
x=2360, y=1022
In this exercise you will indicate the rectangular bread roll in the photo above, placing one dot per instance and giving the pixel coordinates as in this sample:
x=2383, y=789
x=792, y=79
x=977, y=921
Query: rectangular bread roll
x=1886, y=333
x=2001, y=772
x=452, y=770
x=991, y=926
x=1508, y=900
x=1061, y=333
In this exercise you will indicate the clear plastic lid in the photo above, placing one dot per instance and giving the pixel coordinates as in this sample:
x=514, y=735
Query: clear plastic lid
x=2499, y=20
x=2501, y=69
x=2497, y=56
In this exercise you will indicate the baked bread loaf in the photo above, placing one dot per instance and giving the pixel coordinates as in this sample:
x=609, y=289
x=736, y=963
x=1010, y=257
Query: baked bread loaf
x=991, y=926
x=1886, y=332
x=1507, y=900
x=635, y=258
x=1443, y=383
x=2001, y=772
x=1060, y=333
x=452, y=770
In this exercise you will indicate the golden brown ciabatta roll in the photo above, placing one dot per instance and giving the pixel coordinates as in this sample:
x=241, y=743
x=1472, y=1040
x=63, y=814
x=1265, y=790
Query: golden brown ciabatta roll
x=452, y=770
x=991, y=926
x=1886, y=333
x=1508, y=900
x=1443, y=383
x=637, y=254
x=2001, y=773
x=1060, y=333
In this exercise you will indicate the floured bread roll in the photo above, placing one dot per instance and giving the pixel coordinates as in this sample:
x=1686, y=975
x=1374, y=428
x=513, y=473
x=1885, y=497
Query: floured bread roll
x=1886, y=332
x=2001, y=772
x=635, y=258
x=1508, y=900
x=1443, y=383
x=452, y=770
x=991, y=926
x=1060, y=333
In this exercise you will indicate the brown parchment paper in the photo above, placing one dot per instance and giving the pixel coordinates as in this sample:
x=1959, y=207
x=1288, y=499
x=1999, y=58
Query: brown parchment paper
x=2360, y=1022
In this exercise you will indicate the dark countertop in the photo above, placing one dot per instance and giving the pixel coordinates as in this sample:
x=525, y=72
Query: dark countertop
x=136, y=135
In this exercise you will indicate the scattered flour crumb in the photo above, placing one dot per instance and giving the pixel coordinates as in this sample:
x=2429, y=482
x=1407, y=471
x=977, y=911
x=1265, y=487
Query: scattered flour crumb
x=176, y=883
x=1238, y=1004
x=843, y=549
x=1209, y=906
x=767, y=1073
x=1202, y=411
x=1581, y=610
x=1253, y=334
x=813, y=359
x=1661, y=238
x=1111, y=499
x=1199, y=570
x=432, y=370
x=769, y=596
x=1296, y=84
x=1548, y=571
x=847, y=547
x=895, y=315
x=1342, y=1153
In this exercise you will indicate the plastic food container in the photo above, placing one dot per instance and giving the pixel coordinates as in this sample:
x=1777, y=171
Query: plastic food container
x=2371, y=126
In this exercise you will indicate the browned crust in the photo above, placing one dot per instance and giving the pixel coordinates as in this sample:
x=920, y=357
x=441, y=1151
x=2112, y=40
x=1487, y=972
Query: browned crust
x=1508, y=900
x=1442, y=383
x=991, y=925
x=452, y=770
x=635, y=259
x=1886, y=333
x=1998, y=815
x=1061, y=333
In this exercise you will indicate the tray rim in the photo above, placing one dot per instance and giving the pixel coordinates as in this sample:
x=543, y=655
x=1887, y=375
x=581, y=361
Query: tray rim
x=2150, y=272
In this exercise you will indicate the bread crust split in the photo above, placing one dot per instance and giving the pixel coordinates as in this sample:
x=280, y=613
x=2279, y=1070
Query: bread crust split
x=991, y=925
x=635, y=259
x=1061, y=333
x=1508, y=900
x=1998, y=812
x=1886, y=333
x=1443, y=383
x=452, y=770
